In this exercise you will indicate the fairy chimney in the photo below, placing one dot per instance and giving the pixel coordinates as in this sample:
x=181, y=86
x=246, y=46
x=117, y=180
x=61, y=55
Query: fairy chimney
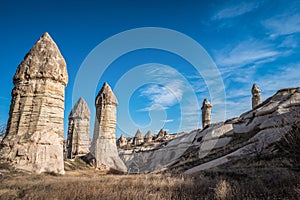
x=35, y=128
x=103, y=146
x=148, y=137
x=256, y=97
x=78, y=129
x=206, y=110
x=138, y=138
x=122, y=141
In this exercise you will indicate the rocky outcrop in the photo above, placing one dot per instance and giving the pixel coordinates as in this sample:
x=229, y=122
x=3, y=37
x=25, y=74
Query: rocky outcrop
x=35, y=129
x=161, y=135
x=248, y=135
x=148, y=137
x=158, y=158
x=79, y=129
x=256, y=97
x=206, y=110
x=251, y=133
x=138, y=138
x=122, y=141
x=103, y=146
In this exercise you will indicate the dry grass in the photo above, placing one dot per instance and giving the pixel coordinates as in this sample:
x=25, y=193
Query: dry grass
x=239, y=183
x=273, y=176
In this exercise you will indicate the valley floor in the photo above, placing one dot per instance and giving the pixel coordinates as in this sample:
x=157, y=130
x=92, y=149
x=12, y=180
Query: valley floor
x=262, y=179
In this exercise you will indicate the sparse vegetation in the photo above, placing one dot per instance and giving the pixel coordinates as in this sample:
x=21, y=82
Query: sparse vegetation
x=245, y=179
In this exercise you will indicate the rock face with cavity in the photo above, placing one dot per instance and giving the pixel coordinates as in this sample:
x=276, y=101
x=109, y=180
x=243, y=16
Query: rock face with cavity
x=79, y=129
x=35, y=128
x=138, y=138
x=256, y=97
x=206, y=110
x=103, y=146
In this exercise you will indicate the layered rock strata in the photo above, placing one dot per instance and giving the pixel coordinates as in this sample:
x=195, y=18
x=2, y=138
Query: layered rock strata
x=35, y=128
x=78, y=129
x=103, y=146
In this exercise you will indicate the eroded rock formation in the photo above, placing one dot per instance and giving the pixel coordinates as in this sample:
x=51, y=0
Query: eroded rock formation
x=103, y=146
x=148, y=137
x=161, y=134
x=138, y=138
x=206, y=110
x=254, y=132
x=122, y=141
x=79, y=129
x=256, y=97
x=35, y=131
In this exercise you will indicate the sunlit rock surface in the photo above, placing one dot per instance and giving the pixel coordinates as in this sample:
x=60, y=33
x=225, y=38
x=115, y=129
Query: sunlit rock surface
x=221, y=142
x=78, y=129
x=103, y=146
x=35, y=129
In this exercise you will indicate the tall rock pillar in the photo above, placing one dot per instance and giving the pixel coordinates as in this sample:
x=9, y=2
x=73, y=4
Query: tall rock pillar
x=35, y=128
x=104, y=147
x=256, y=97
x=206, y=110
x=78, y=130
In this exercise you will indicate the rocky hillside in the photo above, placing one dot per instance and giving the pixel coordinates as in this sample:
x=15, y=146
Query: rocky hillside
x=253, y=134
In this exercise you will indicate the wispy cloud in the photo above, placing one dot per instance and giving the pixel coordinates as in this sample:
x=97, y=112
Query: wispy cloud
x=167, y=120
x=235, y=10
x=289, y=42
x=163, y=97
x=283, y=24
x=238, y=100
x=169, y=91
x=246, y=52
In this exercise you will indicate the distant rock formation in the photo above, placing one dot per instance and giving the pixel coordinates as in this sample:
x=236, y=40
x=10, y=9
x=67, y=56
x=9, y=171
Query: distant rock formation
x=103, y=146
x=79, y=129
x=256, y=97
x=254, y=132
x=161, y=134
x=122, y=141
x=250, y=134
x=138, y=138
x=35, y=129
x=206, y=110
x=148, y=137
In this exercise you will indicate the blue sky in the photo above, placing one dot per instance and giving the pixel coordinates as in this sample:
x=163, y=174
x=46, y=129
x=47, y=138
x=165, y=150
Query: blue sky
x=249, y=41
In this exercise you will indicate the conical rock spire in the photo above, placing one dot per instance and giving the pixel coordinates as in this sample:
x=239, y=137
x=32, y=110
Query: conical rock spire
x=44, y=60
x=35, y=128
x=80, y=110
x=106, y=96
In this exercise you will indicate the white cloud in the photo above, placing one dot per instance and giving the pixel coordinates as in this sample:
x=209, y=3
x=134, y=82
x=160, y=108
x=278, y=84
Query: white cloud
x=163, y=97
x=234, y=11
x=238, y=100
x=167, y=120
x=289, y=42
x=246, y=52
x=283, y=24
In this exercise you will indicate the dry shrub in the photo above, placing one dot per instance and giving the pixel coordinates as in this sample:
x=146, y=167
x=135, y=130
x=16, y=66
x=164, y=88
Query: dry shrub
x=222, y=190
